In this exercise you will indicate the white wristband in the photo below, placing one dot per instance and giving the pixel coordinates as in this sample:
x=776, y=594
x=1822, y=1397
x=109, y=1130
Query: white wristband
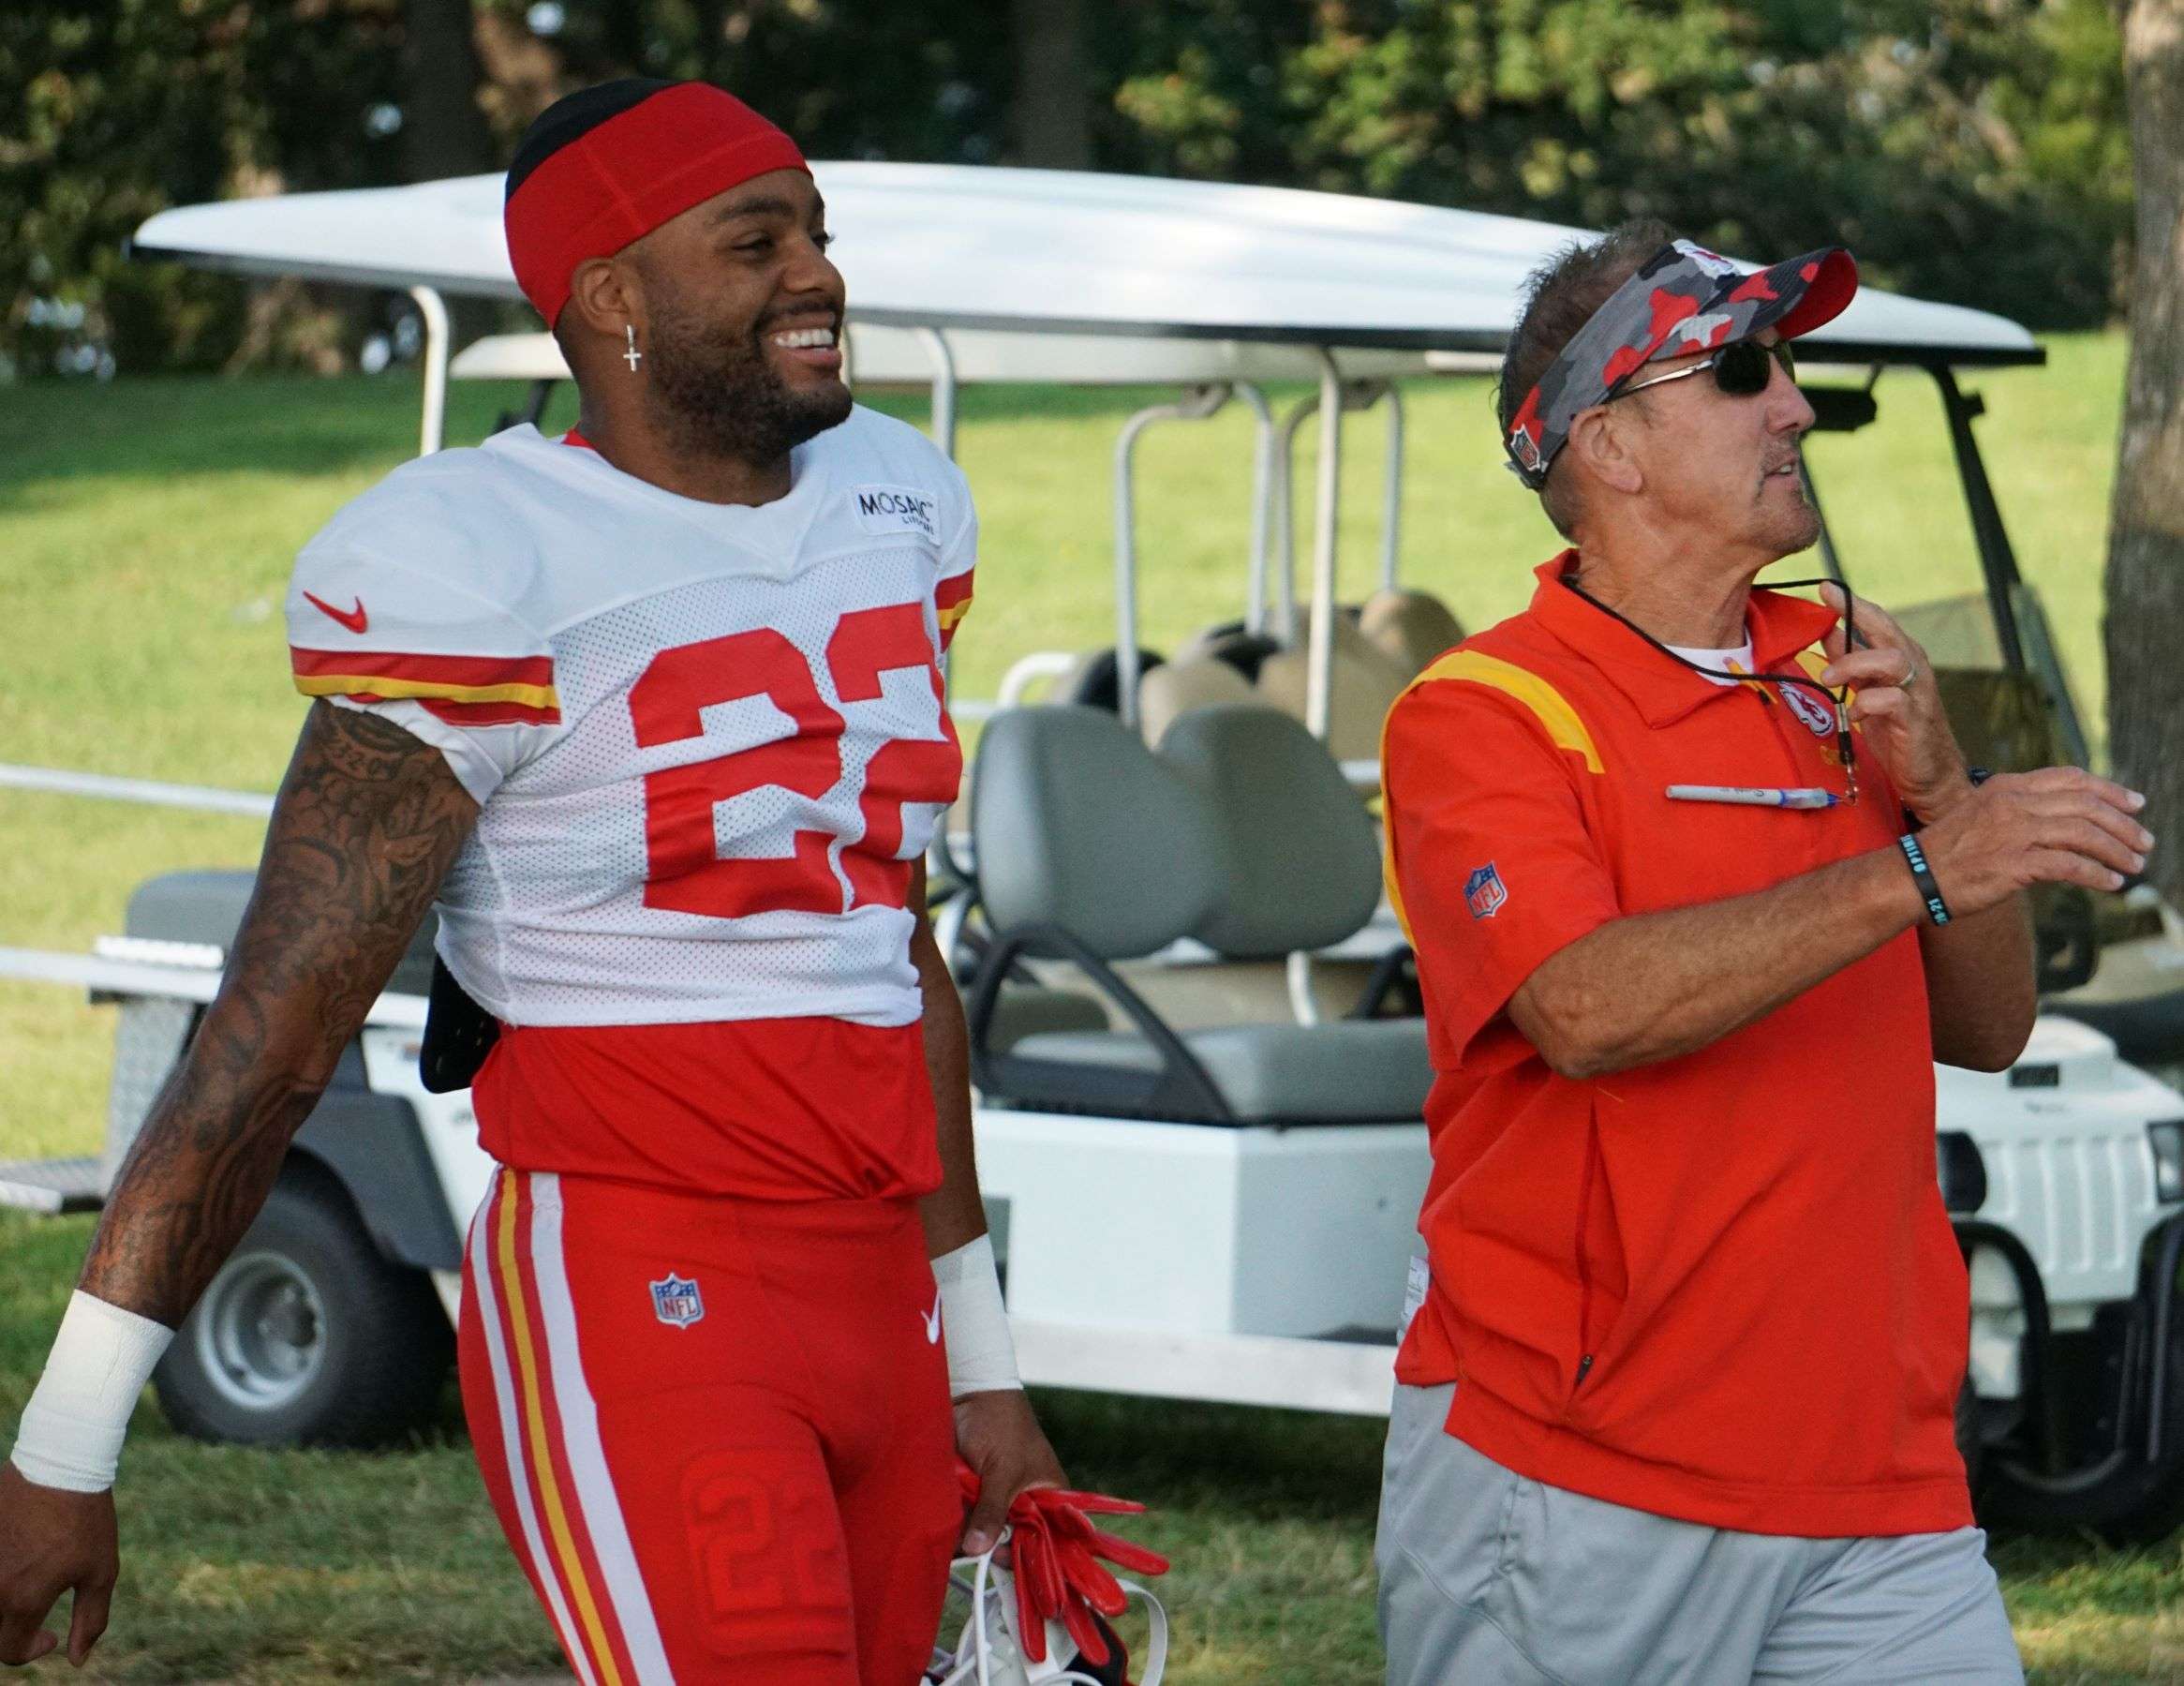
x=982, y=1357
x=72, y=1429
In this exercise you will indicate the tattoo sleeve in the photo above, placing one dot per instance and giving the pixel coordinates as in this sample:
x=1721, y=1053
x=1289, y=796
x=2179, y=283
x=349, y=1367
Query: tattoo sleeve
x=367, y=822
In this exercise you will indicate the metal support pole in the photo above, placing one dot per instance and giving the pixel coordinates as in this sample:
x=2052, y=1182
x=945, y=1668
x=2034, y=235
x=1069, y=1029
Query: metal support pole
x=943, y=422
x=1286, y=515
x=1998, y=562
x=1391, y=501
x=151, y=792
x=2026, y=647
x=1296, y=973
x=1319, y=677
x=1262, y=485
x=1196, y=405
x=943, y=435
x=430, y=306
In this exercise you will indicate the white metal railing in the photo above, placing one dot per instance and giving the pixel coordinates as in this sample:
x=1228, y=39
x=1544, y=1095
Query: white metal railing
x=154, y=793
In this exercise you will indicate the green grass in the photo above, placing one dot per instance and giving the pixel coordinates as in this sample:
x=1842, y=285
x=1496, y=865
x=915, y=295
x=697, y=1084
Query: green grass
x=145, y=534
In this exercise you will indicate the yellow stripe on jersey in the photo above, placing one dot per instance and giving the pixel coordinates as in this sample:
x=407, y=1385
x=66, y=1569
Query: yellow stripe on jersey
x=366, y=684
x=602, y=1655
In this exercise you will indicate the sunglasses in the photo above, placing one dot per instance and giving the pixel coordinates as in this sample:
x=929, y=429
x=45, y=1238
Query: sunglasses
x=1742, y=370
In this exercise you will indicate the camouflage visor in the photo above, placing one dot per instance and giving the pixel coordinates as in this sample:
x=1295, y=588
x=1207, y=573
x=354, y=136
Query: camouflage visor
x=1683, y=299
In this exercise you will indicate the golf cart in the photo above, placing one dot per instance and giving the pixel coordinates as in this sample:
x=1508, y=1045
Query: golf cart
x=1198, y=1118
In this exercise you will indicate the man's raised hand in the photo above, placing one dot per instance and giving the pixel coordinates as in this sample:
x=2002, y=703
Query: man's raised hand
x=1899, y=707
x=2058, y=826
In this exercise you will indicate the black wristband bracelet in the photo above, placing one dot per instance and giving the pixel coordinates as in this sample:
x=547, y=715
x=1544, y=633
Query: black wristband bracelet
x=1923, y=876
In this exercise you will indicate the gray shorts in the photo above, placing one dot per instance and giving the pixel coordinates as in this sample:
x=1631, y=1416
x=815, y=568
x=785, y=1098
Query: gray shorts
x=1487, y=1577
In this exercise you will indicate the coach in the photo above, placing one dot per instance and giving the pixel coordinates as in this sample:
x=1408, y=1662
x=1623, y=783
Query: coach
x=1696, y=909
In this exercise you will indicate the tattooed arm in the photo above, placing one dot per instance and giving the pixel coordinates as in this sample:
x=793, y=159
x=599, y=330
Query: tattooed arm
x=366, y=824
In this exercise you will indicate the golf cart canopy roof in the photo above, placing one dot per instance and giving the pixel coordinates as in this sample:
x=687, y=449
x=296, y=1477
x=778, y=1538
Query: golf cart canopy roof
x=1256, y=281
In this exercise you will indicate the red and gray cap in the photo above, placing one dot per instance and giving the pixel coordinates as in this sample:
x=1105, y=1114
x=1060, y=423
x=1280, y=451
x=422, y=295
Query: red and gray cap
x=1683, y=299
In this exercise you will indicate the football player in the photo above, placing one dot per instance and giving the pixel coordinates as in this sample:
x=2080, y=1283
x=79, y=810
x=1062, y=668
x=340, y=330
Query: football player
x=653, y=712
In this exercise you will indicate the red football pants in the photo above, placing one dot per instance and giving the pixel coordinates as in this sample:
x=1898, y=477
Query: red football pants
x=717, y=1431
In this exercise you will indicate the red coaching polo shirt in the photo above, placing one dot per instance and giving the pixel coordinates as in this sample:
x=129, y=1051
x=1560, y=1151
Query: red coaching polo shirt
x=1723, y=1287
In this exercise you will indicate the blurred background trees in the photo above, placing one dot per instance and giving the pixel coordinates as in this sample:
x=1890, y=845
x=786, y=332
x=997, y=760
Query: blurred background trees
x=2143, y=586
x=1970, y=150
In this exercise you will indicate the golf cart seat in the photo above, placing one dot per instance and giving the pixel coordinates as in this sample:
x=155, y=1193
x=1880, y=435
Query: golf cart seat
x=206, y=908
x=1240, y=832
x=1410, y=628
x=1365, y=683
x=1176, y=688
x=1032, y=1009
x=1094, y=679
x=1234, y=643
x=2147, y=1030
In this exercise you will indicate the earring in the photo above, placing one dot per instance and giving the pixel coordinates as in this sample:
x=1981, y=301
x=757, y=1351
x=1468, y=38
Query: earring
x=632, y=356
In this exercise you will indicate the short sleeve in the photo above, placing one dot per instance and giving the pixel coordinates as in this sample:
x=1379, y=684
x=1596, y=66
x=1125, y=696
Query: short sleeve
x=441, y=662
x=1491, y=861
x=958, y=564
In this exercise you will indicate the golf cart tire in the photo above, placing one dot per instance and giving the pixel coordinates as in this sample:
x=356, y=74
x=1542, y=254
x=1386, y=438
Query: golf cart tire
x=2129, y=1503
x=307, y=1335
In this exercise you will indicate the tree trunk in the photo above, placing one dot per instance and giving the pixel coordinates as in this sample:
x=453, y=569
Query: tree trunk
x=2146, y=546
x=443, y=131
x=1053, y=122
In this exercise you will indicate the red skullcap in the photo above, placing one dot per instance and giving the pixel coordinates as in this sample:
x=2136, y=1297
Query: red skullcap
x=619, y=181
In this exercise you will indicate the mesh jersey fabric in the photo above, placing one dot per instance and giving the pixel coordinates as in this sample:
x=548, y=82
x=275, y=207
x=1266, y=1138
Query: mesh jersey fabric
x=709, y=740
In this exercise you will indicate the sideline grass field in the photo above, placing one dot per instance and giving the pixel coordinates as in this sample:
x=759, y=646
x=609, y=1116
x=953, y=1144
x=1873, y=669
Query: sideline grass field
x=145, y=534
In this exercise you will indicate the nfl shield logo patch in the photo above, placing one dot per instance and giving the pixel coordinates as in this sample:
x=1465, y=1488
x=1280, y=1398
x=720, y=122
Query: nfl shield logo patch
x=677, y=1301
x=1484, y=891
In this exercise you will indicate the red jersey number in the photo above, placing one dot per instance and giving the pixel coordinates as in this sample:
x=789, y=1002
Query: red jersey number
x=686, y=870
x=906, y=769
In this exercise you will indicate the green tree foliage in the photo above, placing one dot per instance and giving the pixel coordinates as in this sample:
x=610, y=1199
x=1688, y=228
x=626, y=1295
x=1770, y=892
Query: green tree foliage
x=111, y=111
x=918, y=80
x=1971, y=150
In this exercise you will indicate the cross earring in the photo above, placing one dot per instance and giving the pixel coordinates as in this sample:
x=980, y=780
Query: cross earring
x=632, y=356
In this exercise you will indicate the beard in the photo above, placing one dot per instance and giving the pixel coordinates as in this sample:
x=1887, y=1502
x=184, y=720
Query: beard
x=716, y=393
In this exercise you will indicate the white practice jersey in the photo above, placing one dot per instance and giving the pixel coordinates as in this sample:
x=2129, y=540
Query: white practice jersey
x=709, y=740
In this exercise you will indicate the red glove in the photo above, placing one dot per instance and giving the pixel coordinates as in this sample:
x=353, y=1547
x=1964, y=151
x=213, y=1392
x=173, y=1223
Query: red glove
x=1058, y=1573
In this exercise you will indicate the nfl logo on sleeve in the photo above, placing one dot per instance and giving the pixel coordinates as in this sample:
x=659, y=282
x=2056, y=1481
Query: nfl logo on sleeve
x=677, y=1301
x=1484, y=892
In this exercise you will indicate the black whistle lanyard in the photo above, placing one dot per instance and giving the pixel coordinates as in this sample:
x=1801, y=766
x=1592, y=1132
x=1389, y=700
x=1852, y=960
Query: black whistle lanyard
x=1837, y=700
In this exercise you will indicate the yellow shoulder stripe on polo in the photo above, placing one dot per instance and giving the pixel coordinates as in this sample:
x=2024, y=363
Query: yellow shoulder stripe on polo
x=1547, y=705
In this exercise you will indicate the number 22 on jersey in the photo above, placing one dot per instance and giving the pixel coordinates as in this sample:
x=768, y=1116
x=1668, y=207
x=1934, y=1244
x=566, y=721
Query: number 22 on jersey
x=685, y=871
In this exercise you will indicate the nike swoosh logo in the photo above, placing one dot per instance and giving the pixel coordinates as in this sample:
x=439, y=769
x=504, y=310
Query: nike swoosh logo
x=355, y=619
x=932, y=1322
